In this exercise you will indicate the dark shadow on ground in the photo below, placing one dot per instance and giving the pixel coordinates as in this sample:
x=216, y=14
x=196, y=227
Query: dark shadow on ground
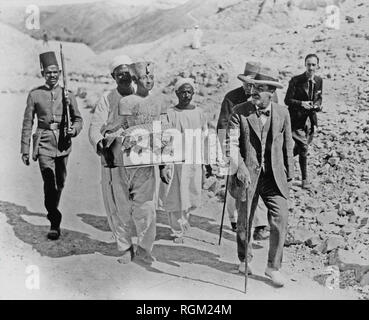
x=101, y=223
x=164, y=233
x=78, y=243
x=202, y=223
x=208, y=225
x=173, y=255
x=70, y=243
x=98, y=222
x=257, y=245
x=152, y=269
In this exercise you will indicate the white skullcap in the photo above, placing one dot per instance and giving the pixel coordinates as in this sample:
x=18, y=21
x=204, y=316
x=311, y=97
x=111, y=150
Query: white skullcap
x=181, y=81
x=119, y=60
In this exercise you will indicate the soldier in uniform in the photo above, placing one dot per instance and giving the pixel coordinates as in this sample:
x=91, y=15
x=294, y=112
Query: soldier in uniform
x=52, y=140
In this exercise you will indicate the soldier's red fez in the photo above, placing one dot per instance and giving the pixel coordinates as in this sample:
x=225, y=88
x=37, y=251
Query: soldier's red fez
x=48, y=59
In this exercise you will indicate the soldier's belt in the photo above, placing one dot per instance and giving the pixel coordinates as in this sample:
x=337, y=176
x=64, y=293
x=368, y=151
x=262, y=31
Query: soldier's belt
x=49, y=126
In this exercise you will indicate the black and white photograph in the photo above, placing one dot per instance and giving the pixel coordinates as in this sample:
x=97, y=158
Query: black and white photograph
x=184, y=150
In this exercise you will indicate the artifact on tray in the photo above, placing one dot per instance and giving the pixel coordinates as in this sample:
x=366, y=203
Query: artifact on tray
x=142, y=139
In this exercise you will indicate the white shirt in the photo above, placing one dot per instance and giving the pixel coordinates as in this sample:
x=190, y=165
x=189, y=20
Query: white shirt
x=263, y=117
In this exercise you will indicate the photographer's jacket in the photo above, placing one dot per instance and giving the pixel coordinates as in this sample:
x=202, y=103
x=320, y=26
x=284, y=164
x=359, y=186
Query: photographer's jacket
x=298, y=91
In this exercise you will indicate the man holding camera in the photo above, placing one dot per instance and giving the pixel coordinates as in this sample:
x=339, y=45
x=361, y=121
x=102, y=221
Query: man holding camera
x=304, y=99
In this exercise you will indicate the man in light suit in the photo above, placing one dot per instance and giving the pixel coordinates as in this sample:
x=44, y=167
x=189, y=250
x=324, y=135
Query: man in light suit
x=232, y=98
x=260, y=140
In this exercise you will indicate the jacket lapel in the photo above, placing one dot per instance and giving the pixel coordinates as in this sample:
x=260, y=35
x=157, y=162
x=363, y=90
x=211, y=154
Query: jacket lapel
x=255, y=124
x=274, y=121
x=306, y=86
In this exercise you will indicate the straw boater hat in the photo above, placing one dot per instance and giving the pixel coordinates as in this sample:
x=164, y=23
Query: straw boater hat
x=251, y=69
x=266, y=76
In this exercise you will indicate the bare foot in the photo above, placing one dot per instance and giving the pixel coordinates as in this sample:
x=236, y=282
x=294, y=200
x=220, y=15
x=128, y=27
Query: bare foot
x=185, y=226
x=126, y=257
x=144, y=256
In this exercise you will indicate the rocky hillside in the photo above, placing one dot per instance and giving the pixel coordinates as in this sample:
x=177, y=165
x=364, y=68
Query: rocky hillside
x=82, y=22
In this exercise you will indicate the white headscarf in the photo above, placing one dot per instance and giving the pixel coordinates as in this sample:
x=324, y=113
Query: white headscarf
x=119, y=60
x=181, y=81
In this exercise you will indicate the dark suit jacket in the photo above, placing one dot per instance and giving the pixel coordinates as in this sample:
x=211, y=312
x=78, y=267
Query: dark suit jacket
x=232, y=98
x=245, y=121
x=47, y=105
x=297, y=92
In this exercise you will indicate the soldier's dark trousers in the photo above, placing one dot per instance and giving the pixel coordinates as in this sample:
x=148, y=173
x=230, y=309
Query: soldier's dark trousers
x=54, y=172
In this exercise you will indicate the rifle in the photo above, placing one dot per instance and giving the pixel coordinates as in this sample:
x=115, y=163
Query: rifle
x=67, y=123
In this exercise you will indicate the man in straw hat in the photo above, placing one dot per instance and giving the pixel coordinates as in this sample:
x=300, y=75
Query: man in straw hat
x=51, y=146
x=260, y=133
x=232, y=98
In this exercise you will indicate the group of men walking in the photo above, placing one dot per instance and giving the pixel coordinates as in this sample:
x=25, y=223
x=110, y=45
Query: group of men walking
x=264, y=134
x=268, y=136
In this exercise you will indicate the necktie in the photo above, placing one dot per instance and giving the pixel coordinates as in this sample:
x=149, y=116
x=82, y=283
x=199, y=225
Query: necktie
x=311, y=90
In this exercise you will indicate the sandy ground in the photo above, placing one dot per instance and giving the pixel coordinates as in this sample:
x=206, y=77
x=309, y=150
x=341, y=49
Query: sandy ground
x=83, y=263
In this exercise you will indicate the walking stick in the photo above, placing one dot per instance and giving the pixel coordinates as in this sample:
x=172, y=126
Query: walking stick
x=224, y=206
x=246, y=238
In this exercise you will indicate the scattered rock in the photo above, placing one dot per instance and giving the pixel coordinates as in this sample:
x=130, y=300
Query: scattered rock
x=332, y=243
x=347, y=229
x=365, y=280
x=297, y=235
x=313, y=242
x=81, y=92
x=333, y=161
x=221, y=194
x=214, y=187
x=326, y=218
x=209, y=182
x=347, y=260
x=349, y=19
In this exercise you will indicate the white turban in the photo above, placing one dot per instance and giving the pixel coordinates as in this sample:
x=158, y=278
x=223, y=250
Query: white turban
x=181, y=81
x=119, y=60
